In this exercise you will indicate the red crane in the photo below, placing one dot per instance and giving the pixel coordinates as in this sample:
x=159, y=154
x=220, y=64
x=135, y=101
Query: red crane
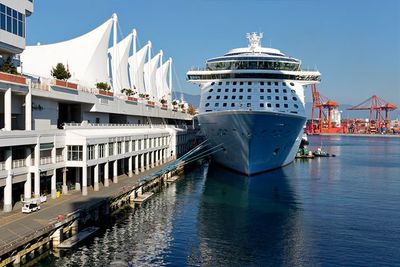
x=376, y=107
x=320, y=102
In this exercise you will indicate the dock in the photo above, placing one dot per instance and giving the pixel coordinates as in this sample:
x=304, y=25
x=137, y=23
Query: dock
x=142, y=198
x=173, y=179
x=74, y=240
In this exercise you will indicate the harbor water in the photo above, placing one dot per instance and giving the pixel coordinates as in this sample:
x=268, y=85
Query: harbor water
x=340, y=211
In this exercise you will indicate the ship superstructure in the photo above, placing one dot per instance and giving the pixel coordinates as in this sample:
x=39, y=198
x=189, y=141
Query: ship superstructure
x=252, y=102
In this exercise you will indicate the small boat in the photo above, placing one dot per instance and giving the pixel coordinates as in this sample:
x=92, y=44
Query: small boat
x=321, y=153
x=72, y=241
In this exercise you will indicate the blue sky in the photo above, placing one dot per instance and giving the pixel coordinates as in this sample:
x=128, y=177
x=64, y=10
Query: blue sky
x=354, y=43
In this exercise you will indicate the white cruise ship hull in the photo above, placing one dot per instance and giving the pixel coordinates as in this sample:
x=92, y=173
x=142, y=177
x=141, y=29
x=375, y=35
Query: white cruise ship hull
x=253, y=141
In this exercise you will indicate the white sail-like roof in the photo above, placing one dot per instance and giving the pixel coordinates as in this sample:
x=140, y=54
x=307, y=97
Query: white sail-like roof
x=136, y=69
x=162, y=81
x=85, y=56
x=150, y=69
x=119, y=64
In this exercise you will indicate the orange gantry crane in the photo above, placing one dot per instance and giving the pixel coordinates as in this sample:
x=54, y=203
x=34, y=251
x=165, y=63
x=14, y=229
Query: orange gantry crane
x=324, y=119
x=376, y=107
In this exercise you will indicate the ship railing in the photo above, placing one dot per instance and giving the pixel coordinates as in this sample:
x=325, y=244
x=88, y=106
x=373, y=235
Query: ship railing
x=18, y=163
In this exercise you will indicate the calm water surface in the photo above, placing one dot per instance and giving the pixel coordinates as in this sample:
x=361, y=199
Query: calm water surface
x=342, y=211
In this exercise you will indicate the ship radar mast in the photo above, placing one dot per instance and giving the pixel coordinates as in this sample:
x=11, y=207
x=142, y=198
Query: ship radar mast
x=254, y=40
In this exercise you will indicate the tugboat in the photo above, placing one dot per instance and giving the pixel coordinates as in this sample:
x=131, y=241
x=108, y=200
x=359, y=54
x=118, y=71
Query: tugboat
x=323, y=154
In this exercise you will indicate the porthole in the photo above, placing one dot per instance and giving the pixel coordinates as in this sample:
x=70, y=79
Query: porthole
x=296, y=106
x=276, y=83
x=261, y=83
x=276, y=90
x=269, y=90
x=225, y=97
x=218, y=97
x=227, y=83
x=261, y=105
x=277, y=105
x=285, y=98
x=224, y=104
x=232, y=104
x=234, y=83
x=241, y=83
x=284, y=84
x=219, y=90
x=248, y=105
x=241, y=90
x=276, y=97
x=209, y=97
x=207, y=104
x=269, y=105
x=220, y=83
x=216, y=104
x=234, y=90
x=293, y=91
x=240, y=97
x=249, y=90
x=249, y=97
x=210, y=90
x=285, y=105
x=261, y=90
x=249, y=83
x=226, y=90
x=284, y=90
x=233, y=97
x=269, y=97
x=269, y=83
x=292, y=84
x=294, y=98
x=261, y=97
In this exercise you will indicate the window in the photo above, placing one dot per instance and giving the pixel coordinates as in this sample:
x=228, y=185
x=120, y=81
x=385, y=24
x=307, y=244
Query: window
x=261, y=105
x=269, y=97
x=233, y=97
x=269, y=83
x=261, y=90
x=269, y=105
x=212, y=83
x=261, y=97
x=75, y=153
x=293, y=91
x=249, y=90
x=276, y=90
x=218, y=97
x=241, y=90
x=101, y=150
x=220, y=83
x=296, y=106
x=240, y=97
x=294, y=98
x=241, y=83
x=234, y=90
x=234, y=83
x=249, y=83
x=219, y=90
x=224, y=104
x=285, y=98
x=216, y=104
x=276, y=83
x=292, y=84
x=262, y=83
x=285, y=105
x=276, y=97
x=269, y=90
x=119, y=147
x=207, y=104
x=232, y=104
x=210, y=91
x=209, y=97
x=12, y=21
x=284, y=84
x=226, y=90
x=227, y=83
x=248, y=105
x=90, y=152
x=284, y=90
x=110, y=149
x=127, y=148
x=277, y=105
x=225, y=97
x=249, y=97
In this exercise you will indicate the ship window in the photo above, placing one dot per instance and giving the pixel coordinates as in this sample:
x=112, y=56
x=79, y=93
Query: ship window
x=296, y=106
x=248, y=105
x=220, y=83
x=249, y=90
x=233, y=97
x=276, y=90
x=219, y=90
x=218, y=97
x=285, y=105
x=292, y=84
x=224, y=104
x=261, y=105
x=261, y=90
x=241, y=90
x=284, y=84
x=276, y=97
x=216, y=104
x=226, y=90
x=212, y=83
x=234, y=83
x=207, y=104
x=234, y=90
x=269, y=97
x=225, y=97
x=249, y=83
x=277, y=105
x=210, y=90
x=208, y=110
x=262, y=83
x=293, y=91
x=249, y=97
x=261, y=97
x=232, y=104
x=276, y=83
x=269, y=105
x=269, y=83
x=209, y=97
x=269, y=90
x=240, y=97
x=285, y=91
x=285, y=98
x=295, y=98
x=241, y=83
x=295, y=112
x=276, y=151
x=227, y=83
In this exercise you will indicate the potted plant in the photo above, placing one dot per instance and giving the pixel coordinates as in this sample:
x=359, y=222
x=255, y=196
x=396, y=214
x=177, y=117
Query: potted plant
x=61, y=75
x=150, y=103
x=129, y=93
x=9, y=73
x=104, y=89
x=174, y=104
x=164, y=103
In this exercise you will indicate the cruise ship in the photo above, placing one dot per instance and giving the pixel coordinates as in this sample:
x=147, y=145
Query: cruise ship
x=252, y=106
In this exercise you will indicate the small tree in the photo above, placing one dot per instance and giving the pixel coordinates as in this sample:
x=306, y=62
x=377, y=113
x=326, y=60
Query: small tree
x=8, y=66
x=60, y=72
x=127, y=91
x=103, y=86
x=174, y=103
x=163, y=101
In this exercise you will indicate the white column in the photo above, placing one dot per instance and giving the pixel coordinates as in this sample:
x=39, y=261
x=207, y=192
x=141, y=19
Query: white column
x=106, y=175
x=37, y=166
x=28, y=183
x=142, y=162
x=7, y=110
x=84, y=180
x=115, y=176
x=53, y=184
x=157, y=152
x=28, y=110
x=147, y=160
x=130, y=167
x=152, y=159
x=8, y=187
x=96, y=178
x=78, y=179
x=64, y=186
x=136, y=164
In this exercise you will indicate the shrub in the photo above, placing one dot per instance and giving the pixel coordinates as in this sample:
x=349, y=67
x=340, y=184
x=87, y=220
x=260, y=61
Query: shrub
x=8, y=67
x=59, y=72
x=103, y=86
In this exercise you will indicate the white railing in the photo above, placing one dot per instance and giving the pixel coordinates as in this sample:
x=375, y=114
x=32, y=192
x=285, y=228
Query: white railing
x=85, y=124
x=2, y=166
x=45, y=160
x=18, y=163
x=59, y=158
